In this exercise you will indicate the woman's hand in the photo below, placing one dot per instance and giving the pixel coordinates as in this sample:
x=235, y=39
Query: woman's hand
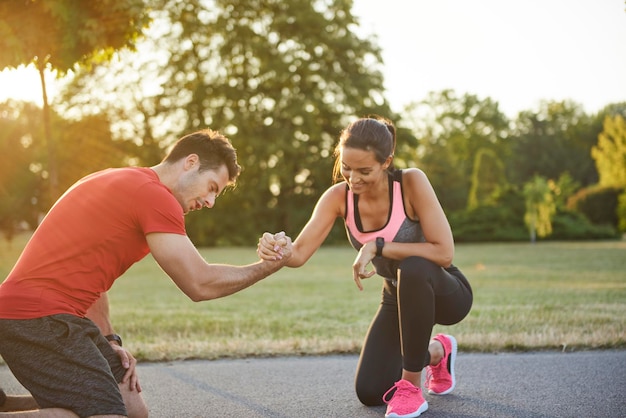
x=272, y=247
x=130, y=364
x=363, y=258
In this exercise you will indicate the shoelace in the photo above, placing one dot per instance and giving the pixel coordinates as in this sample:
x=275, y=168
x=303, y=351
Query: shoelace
x=402, y=391
x=436, y=372
x=429, y=376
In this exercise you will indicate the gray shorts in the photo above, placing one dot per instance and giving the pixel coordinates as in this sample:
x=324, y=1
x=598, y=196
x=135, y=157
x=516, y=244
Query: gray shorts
x=64, y=362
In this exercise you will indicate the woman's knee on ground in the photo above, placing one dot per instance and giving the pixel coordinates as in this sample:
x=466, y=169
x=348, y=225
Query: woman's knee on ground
x=369, y=394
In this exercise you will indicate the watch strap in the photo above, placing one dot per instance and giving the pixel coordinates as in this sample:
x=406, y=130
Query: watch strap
x=114, y=337
x=380, y=243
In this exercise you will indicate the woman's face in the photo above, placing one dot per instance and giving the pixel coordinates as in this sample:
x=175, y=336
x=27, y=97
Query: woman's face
x=360, y=169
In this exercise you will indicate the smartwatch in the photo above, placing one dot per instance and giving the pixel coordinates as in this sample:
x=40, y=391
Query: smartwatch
x=114, y=337
x=380, y=243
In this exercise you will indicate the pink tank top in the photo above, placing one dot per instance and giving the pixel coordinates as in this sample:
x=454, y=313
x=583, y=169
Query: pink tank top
x=398, y=228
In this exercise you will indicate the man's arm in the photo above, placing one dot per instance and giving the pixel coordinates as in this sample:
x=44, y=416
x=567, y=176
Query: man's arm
x=199, y=280
x=99, y=314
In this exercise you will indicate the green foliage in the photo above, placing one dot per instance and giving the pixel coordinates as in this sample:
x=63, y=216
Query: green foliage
x=85, y=146
x=540, y=207
x=290, y=71
x=597, y=203
x=621, y=211
x=60, y=33
x=20, y=168
x=488, y=223
x=487, y=177
x=57, y=35
x=555, y=140
x=504, y=221
x=452, y=131
x=281, y=78
x=610, y=152
x=570, y=225
x=277, y=77
x=562, y=189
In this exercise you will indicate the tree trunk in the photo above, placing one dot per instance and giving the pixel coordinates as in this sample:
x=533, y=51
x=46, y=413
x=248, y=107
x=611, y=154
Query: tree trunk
x=51, y=145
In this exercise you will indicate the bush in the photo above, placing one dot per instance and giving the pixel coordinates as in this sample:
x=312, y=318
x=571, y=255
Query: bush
x=621, y=211
x=597, y=203
x=491, y=223
x=570, y=225
x=488, y=223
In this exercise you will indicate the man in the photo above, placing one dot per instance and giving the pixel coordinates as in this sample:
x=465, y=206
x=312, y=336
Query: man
x=55, y=332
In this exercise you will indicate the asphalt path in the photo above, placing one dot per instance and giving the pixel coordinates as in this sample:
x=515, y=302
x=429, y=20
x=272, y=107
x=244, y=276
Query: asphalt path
x=540, y=384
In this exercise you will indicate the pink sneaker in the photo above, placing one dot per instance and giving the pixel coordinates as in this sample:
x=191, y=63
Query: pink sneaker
x=406, y=402
x=440, y=379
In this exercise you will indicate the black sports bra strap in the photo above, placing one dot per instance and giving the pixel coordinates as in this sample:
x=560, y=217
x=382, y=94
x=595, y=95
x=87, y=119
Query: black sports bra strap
x=397, y=176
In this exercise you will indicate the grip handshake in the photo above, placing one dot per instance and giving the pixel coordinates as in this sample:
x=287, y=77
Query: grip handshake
x=274, y=247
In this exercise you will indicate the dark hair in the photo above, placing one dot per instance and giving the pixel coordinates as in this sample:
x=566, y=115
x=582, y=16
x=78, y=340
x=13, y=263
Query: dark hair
x=212, y=148
x=375, y=133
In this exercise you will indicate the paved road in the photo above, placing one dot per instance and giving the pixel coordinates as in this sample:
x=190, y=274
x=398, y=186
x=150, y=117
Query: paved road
x=542, y=385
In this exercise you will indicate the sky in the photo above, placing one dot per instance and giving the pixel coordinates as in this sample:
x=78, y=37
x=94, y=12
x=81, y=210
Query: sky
x=517, y=52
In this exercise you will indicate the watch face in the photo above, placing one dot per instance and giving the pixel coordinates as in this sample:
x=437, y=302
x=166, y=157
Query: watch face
x=114, y=337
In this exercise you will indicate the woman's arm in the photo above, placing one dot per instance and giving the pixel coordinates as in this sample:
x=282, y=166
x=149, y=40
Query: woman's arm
x=421, y=203
x=329, y=207
x=425, y=206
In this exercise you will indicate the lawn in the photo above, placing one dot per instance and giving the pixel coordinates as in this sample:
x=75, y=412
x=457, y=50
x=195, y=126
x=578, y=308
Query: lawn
x=550, y=295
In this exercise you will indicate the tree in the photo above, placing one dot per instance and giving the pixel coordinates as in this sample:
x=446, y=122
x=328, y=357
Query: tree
x=488, y=176
x=20, y=179
x=452, y=130
x=540, y=207
x=279, y=78
x=85, y=146
x=58, y=34
x=563, y=189
x=610, y=152
x=556, y=139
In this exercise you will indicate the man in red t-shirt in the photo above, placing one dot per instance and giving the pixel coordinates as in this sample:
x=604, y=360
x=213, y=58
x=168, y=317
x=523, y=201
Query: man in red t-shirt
x=55, y=332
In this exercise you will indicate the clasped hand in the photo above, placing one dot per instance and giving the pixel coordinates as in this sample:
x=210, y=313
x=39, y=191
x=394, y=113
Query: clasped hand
x=274, y=247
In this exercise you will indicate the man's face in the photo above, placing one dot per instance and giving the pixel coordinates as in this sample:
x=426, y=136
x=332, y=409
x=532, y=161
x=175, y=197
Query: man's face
x=196, y=189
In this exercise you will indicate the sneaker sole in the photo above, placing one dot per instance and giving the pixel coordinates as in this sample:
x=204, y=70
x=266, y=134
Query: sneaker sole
x=452, y=360
x=417, y=413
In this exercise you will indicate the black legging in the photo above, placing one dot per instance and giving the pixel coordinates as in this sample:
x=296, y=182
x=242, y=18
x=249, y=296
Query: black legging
x=428, y=295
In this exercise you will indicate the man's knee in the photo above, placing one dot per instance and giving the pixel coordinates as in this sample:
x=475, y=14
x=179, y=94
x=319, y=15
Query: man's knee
x=134, y=402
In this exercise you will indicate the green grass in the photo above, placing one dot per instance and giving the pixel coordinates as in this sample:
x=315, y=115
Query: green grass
x=550, y=295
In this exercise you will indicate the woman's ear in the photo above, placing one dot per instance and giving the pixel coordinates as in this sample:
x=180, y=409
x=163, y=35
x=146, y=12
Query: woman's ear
x=388, y=162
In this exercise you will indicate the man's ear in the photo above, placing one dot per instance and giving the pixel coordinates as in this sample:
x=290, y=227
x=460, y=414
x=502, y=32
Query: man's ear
x=191, y=161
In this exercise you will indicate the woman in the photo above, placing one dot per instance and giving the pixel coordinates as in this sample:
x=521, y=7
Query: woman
x=394, y=219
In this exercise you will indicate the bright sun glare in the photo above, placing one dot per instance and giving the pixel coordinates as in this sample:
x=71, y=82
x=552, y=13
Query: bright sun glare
x=24, y=84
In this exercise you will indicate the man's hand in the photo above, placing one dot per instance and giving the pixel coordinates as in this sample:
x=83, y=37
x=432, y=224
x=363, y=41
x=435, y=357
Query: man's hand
x=129, y=363
x=274, y=247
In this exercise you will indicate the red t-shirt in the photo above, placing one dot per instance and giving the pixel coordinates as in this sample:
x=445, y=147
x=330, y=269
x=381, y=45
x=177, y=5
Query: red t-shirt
x=90, y=237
